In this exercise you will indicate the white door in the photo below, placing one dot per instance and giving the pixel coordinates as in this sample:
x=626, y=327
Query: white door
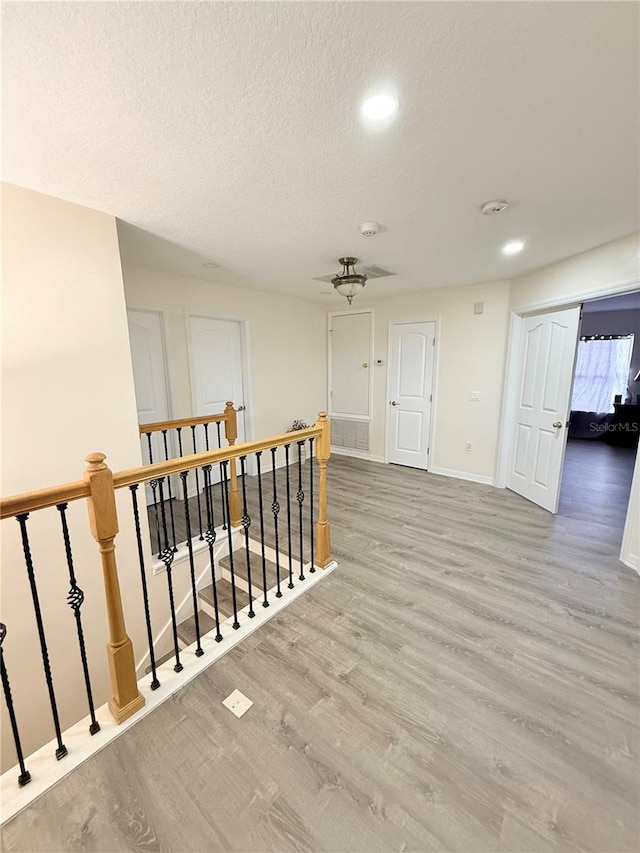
x=411, y=393
x=147, y=354
x=350, y=365
x=215, y=354
x=547, y=354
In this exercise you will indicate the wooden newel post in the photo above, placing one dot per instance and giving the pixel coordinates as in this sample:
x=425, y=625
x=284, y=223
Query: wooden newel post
x=103, y=518
x=323, y=529
x=231, y=434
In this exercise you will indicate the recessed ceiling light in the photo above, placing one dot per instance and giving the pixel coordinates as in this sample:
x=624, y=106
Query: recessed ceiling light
x=513, y=247
x=380, y=107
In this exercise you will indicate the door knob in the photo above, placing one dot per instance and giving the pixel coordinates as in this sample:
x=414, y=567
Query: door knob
x=558, y=424
x=394, y=403
x=365, y=364
x=240, y=409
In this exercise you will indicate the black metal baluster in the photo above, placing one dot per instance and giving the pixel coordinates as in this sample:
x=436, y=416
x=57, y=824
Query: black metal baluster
x=225, y=481
x=75, y=598
x=167, y=558
x=154, y=486
x=312, y=568
x=265, y=602
x=184, y=476
x=173, y=523
x=145, y=592
x=61, y=751
x=179, y=431
x=24, y=776
x=224, y=511
x=210, y=536
x=206, y=441
x=246, y=524
x=275, y=509
x=286, y=457
x=300, y=499
x=193, y=441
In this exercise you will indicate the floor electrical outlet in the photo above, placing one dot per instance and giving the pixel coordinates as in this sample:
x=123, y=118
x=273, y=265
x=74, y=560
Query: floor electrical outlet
x=237, y=703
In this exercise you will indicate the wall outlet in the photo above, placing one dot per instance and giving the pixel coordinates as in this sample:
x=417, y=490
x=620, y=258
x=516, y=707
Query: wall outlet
x=467, y=447
x=474, y=396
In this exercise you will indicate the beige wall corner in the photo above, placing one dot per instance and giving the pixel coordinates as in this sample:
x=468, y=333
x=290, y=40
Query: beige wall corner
x=67, y=389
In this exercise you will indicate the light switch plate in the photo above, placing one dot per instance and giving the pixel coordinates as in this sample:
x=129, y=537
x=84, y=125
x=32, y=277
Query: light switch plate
x=237, y=703
x=475, y=396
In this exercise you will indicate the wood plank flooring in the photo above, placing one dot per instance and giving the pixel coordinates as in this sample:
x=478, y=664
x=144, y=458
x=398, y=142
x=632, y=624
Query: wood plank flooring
x=467, y=680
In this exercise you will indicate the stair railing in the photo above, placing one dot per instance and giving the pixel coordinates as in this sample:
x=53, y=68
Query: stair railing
x=305, y=537
x=170, y=439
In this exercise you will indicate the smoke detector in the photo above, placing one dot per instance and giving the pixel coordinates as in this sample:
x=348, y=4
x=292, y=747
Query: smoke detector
x=369, y=229
x=496, y=205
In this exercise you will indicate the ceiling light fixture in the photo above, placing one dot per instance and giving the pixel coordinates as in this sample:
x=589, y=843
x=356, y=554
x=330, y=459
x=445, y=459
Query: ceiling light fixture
x=513, y=247
x=379, y=107
x=349, y=283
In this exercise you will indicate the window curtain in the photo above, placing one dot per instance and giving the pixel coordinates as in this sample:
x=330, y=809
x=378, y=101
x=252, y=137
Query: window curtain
x=602, y=371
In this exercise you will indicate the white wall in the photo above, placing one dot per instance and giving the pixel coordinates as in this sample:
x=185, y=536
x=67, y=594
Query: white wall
x=608, y=269
x=67, y=390
x=287, y=344
x=470, y=357
x=630, y=553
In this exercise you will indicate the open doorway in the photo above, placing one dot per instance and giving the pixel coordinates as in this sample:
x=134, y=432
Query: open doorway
x=604, y=423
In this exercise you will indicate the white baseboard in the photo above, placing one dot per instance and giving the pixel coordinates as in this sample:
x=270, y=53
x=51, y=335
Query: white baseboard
x=631, y=560
x=463, y=475
x=357, y=454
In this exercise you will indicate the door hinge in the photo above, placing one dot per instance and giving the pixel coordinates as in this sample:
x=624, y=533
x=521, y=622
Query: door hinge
x=433, y=343
x=431, y=398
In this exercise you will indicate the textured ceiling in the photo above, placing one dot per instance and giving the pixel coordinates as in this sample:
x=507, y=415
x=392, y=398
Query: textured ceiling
x=232, y=131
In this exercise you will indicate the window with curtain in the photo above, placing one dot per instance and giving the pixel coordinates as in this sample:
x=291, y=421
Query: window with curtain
x=602, y=372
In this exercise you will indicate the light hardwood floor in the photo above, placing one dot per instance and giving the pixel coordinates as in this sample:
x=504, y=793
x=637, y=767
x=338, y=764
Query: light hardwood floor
x=467, y=680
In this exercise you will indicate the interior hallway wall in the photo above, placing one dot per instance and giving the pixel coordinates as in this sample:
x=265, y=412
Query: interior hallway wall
x=67, y=390
x=471, y=352
x=287, y=344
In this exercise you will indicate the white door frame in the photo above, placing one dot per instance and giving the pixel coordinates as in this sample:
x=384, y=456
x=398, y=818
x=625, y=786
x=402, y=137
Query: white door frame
x=512, y=377
x=330, y=317
x=434, y=386
x=247, y=377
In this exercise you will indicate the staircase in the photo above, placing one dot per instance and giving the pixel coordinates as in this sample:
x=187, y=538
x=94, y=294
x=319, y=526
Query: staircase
x=224, y=589
x=258, y=515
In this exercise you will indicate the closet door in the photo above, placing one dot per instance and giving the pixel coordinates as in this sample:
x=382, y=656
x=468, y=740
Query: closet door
x=350, y=361
x=146, y=336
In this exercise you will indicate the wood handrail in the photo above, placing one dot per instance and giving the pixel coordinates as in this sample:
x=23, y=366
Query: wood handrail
x=197, y=460
x=67, y=492
x=52, y=496
x=183, y=422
